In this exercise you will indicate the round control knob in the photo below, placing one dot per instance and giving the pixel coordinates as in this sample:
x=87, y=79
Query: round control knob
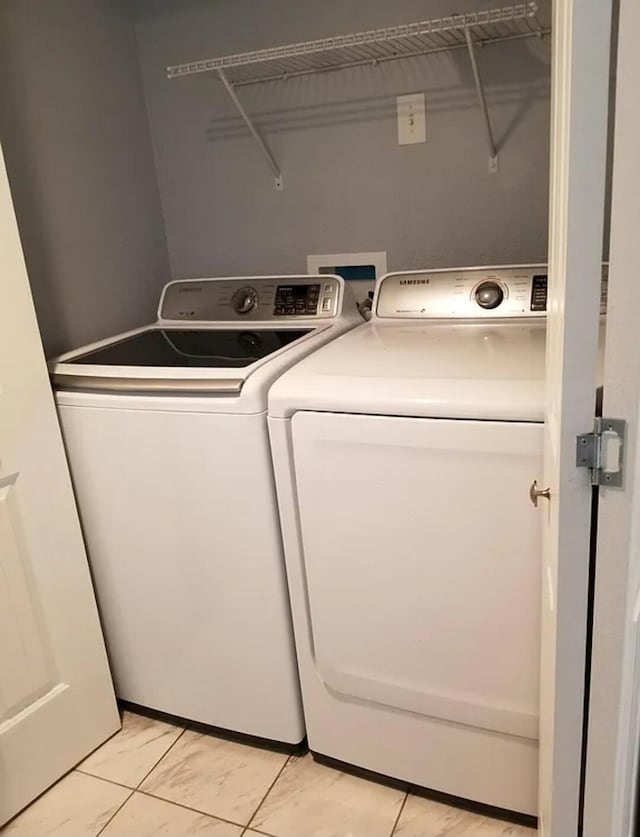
x=244, y=300
x=489, y=295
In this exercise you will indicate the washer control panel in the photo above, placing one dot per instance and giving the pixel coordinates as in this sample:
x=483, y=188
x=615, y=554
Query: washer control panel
x=297, y=299
x=469, y=293
x=259, y=298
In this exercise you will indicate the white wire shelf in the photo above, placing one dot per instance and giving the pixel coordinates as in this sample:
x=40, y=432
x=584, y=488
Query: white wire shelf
x=408, y=40
x=371, y=47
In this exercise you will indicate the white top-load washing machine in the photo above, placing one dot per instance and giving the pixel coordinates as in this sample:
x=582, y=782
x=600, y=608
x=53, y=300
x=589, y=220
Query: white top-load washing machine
x=166, y=432
x=403, y=453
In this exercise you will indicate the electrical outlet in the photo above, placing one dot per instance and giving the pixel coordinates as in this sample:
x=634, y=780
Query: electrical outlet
x=411, y=119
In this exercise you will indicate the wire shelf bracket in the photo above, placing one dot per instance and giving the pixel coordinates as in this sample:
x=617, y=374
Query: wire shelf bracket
x=252, y=128
x=477, y=78
x=372, y=48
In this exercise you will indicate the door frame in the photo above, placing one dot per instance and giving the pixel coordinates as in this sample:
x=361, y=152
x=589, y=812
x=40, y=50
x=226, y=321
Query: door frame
x=579, y=105
x=614, y=711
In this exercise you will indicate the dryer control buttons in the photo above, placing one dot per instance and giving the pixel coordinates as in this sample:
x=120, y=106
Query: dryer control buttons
x=489, y=295
x=539, y=292
x=244, y=300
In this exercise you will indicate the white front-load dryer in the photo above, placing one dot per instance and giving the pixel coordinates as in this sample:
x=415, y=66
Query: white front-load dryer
x=166, y=432
x=404, y=452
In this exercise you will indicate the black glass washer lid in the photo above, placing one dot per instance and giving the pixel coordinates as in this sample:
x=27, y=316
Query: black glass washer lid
x=188, y=348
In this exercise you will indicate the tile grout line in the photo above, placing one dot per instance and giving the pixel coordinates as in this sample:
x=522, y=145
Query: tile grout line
x=189, y=808
x=138, y=789
x=166, y=753
x=64, y=776
x=404, y=802
x=118, y=809
x=269, y=789
x=102, y=778
x=133, y=790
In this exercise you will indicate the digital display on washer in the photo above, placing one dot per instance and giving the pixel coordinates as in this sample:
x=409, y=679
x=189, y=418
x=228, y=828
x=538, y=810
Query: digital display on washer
x=213, y=348
x=296, y=299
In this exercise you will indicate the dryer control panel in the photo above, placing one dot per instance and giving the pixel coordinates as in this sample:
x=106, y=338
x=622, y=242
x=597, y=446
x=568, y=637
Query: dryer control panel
x=466, y=293
x=253, y=298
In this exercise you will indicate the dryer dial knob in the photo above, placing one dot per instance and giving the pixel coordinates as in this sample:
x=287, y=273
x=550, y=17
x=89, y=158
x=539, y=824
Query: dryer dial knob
x=244, y=300
x=489, y=295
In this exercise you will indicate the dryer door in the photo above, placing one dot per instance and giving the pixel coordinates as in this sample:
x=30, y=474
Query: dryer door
x=422, y=557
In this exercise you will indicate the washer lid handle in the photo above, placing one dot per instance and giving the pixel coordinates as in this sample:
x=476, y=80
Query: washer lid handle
x=156, y=386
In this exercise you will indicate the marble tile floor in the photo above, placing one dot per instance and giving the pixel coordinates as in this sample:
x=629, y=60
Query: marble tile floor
x=153, y=778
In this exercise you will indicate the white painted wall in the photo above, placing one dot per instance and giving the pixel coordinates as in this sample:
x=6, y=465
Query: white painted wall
x=76, y=139
x=348, y=185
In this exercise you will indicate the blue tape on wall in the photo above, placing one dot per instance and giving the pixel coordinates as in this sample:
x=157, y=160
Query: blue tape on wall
x=355, y=272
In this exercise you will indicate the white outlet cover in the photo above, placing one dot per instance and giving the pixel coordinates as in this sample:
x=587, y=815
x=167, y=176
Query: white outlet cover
x=412, y=123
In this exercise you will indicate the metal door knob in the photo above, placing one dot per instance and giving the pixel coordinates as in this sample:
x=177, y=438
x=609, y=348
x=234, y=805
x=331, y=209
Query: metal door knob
x=535, y=492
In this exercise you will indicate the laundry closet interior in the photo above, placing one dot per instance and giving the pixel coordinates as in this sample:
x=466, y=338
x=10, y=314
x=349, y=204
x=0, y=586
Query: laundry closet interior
x=289, y=262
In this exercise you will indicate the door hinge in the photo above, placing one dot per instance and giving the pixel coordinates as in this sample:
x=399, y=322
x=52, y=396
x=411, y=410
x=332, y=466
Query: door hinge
x=602, y=451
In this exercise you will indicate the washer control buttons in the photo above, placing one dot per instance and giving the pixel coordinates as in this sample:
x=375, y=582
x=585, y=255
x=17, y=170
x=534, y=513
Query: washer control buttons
x=489, y=295
x=244, y=300
x=296, y=300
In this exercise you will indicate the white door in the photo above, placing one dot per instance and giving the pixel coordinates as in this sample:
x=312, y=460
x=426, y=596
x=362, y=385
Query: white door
x=56, y=697
x=580, y=78
x=614, y=710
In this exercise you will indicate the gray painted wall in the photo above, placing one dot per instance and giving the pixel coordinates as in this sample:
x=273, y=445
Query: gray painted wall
x=76, y=140
x=348, y=185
